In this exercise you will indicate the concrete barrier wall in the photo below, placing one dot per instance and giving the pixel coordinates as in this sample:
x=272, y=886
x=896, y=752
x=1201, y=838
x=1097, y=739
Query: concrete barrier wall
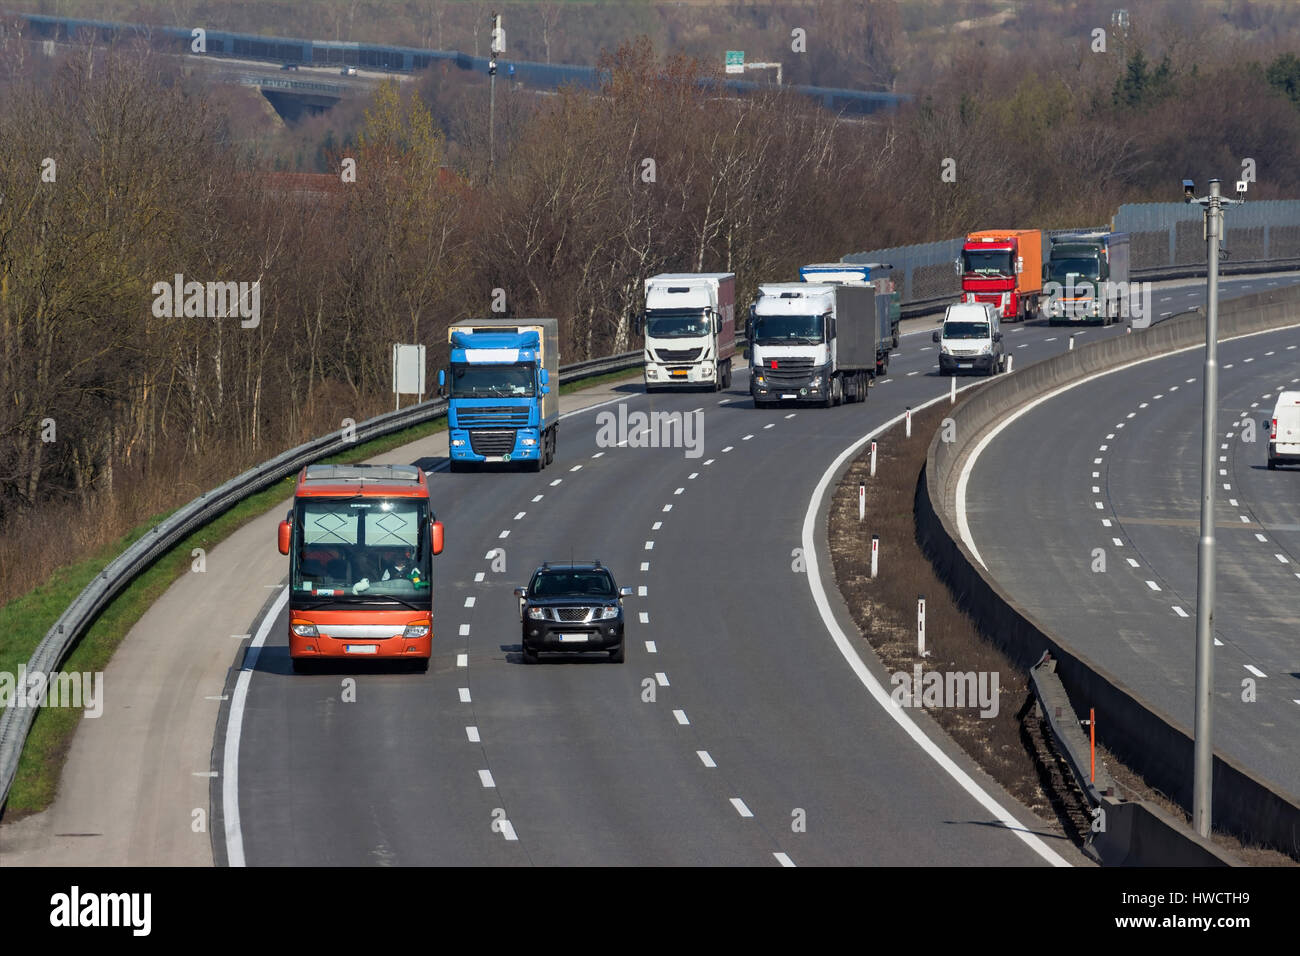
x=1143, y=737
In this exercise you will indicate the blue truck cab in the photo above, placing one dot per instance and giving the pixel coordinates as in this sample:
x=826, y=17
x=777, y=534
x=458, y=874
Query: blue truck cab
x=502, y=388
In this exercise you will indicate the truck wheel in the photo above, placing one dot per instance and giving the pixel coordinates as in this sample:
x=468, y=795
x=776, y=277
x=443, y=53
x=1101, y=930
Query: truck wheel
x=727, y=380
x=528, y=657
x=837, y=391
x=1272, y=466
x=550, y=447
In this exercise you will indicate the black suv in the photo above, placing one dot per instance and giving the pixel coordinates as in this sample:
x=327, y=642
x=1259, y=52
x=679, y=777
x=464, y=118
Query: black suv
x=572, y=607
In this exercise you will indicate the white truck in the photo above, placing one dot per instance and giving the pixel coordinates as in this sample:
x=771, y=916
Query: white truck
x=812, y=343
x=689, y=325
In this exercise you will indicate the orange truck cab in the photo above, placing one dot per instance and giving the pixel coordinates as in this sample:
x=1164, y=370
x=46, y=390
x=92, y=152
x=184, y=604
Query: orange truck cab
x=360, y=541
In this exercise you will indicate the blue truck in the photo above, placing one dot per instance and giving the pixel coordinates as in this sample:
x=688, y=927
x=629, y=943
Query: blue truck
x=877, y=275
x=502, y=390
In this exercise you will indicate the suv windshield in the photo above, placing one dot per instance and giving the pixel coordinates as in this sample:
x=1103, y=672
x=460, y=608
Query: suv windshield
x=585, y=583
x=965, y=330
x=358, y=549
x=492, y=381
x=661, y=324
x=788, y=330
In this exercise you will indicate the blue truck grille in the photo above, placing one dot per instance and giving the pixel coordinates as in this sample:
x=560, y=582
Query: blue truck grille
x=788, y=371
x=492, y=442
x=504, y=416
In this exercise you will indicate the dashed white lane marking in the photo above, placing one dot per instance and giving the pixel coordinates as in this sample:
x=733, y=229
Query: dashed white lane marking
x=490, y=555
x=462, y=660
x=1158, y=397
x=1223, y=458
x=679, y=491
x=724, y=401
x=728, y=448
x=1173, y=388
x=710, y=461
x=1110, y=436
x=787, y=862
x=1105, y=522
x=479, y=576
x=1165, y=315
x=792, y=414
x=1052, y=339
x=668, y=508
x=1247, y=360
x=1142, y=404
x=747, y=438
x=705, y=758
x=645, y=617
x=1255, y=670
x=645, y=565
x=656, y=526
x=739, y=804
x=597, y=455
x=504, y=534
x=1099, y=505
x=640, y=591
x=1098, y=461
x=913, y=373
x=576, y=468
x=1096, y=489
x=681, y=717
x=661, y=678
x=1223, y=471
x=1244, y=519
x=692, y=476
x=556, y=482
x=649, y=545
x=770, y=425
x=472, y=733
x=1229, y=365
x=1189, y=381
x=1132, y=415
x=1102, y=447
x=1096, y=474
x=520, y=515
x=1132, y=563
x=1118, y=542
x=651, y=647
x=1267, y=354
x=508, y=830
x=1025, y=346
x=1281, y=558
x=469, y=601
x=1179, y=611
x=1227, y=487
x=464, y=695
x=1153, y=586
x=485, y=778
x=1260, y=538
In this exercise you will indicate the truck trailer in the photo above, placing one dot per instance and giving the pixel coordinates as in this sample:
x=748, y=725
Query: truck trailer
x=501, y=389
x=1003, y=267
x=878, y=275
x=1086, y=278
x=812, y=343
x=690, y=330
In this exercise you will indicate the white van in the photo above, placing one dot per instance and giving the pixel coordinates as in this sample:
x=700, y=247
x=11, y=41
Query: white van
x=1284, y=436
x=971, y=340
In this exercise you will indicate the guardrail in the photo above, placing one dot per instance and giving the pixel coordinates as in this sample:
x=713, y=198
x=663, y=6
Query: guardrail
x=1148, y=740
x=16, y=722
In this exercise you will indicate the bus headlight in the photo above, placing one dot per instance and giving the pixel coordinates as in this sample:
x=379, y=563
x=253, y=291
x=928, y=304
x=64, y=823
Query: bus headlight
x=304, y=629
x=415, y=631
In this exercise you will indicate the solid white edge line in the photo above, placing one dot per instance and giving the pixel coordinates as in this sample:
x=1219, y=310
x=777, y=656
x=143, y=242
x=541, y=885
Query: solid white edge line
x=850, y=653
x=963, y=527
x=234, y=729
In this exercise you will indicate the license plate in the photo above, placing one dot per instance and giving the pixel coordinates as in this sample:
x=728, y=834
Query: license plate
x=791, y=395
x=495, y=458
x=361, y=648
x=679, y=373
x=965, y=364
x=573, y=638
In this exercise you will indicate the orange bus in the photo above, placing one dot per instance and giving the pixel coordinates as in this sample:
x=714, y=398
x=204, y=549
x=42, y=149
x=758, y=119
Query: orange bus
x=360, y=540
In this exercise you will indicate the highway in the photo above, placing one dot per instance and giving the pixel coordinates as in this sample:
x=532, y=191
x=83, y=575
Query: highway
x=755, y=723
x=1114, y=464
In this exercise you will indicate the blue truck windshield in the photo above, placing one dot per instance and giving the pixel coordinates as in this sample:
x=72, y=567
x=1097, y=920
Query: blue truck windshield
x=992, y=263
x=493, y=381
x=788, y=330
x=354, y=550
x=662, y=324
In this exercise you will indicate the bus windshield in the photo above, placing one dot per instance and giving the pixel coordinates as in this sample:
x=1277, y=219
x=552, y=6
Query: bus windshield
x=360, y=550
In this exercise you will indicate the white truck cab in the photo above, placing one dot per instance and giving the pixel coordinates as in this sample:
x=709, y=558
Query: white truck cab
x=971, y=340
x=1284, y=433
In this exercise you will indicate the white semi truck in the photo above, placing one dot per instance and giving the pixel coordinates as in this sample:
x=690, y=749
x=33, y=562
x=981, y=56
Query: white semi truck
x=690, y=330
x=813, y=343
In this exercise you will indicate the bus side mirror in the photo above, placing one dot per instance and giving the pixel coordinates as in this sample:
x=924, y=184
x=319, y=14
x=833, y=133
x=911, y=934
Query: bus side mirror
x=283, y=537
x=435, y=536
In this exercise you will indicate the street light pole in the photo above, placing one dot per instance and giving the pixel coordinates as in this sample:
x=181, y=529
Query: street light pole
x=1203, y=768
x=497, y=47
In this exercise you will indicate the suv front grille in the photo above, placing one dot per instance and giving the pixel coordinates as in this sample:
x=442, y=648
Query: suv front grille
x=492, y=442
x=678, y=355
x=572, y=615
